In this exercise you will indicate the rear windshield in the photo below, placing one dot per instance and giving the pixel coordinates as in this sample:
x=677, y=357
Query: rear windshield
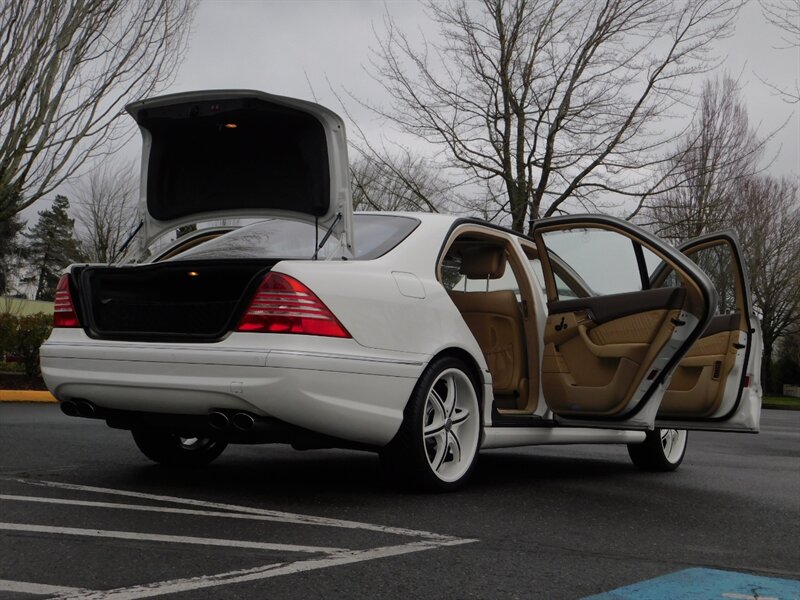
x=375, y=235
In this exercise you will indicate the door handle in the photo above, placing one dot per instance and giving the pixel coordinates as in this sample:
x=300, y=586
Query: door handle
x=609, y=350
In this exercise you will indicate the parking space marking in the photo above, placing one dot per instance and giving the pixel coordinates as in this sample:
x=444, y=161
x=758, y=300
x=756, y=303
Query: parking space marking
x=170, y=539
x=258, y=573
x=39, y=589
x=329, y=557
x=270, y=515
x=747, y=597
x=698, y=582
x=157, y=509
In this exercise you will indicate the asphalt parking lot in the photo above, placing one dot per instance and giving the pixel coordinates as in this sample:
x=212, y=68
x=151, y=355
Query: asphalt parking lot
x=84, y=515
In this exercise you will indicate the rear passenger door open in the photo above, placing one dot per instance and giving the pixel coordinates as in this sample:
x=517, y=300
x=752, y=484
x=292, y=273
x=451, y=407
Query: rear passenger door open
x=717, y=385
x=611, y=345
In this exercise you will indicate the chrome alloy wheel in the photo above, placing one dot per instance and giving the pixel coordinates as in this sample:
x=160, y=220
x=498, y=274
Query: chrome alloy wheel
x=673, y=442
x=451, y=425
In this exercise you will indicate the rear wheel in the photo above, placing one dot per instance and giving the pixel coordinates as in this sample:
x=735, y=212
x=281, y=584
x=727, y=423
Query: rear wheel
x=177, y=451
x=437, y=445
x=662, y=450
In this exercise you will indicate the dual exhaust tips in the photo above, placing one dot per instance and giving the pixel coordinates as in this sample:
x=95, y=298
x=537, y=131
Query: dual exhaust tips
x=240, y=420
x=216, y=419
x=79, y=408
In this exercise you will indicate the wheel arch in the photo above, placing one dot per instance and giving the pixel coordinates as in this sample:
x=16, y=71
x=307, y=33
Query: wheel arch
x=476, y=371
x=468, y=359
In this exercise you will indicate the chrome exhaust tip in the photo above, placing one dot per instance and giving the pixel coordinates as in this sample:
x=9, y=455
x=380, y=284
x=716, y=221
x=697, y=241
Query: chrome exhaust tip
x=243, y=421
x=86, y=409
x=218, y=420
x=69, y=408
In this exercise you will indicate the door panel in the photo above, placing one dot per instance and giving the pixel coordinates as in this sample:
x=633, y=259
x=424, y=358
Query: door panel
x=716, y=385
x=595, y=347
x=590, y=369
x=607, y=356
x=612, y=306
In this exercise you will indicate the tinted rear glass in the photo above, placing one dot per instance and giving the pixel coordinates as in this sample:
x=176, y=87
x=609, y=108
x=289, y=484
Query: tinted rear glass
x=375, y=235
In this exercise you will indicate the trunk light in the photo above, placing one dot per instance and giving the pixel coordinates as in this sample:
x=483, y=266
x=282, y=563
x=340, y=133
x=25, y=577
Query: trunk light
x=64, y=314
x=284, y=305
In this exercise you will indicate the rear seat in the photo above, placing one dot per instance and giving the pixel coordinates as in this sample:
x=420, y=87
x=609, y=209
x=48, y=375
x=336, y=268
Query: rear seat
x=495, y=319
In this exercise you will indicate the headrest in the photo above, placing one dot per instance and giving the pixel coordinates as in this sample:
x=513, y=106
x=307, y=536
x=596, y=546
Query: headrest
x=480, y=262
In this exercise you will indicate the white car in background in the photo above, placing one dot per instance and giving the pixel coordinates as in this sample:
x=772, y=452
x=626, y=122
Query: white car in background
x=423, y=337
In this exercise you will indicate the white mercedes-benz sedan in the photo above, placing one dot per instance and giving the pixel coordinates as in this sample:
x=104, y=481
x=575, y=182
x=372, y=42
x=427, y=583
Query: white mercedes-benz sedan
x=423, y=337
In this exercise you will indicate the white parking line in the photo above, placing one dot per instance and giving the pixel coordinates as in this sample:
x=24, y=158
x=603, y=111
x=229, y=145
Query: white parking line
x=140, y=507
x=273, y=515
x=39, y=589
x=171, y=539
x=332, y=557
x=258, y=573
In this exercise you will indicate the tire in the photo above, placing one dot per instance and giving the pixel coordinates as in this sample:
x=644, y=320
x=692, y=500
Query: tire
x=174, y=450
x=437, y=445
x=662, y=450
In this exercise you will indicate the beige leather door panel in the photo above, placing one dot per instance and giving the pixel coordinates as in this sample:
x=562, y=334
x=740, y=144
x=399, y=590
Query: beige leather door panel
x=697, y=387
x=589, y=365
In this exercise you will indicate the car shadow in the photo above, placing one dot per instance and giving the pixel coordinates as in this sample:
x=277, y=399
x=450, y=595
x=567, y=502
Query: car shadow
x=286, y=475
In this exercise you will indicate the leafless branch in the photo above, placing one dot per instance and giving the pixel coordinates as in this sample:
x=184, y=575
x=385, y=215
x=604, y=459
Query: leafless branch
x=66, y=69
x=557, y=101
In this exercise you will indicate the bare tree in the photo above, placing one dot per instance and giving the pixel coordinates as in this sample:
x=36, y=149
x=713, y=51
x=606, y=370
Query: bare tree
x=396, y=183
x=714, y=184
x=66, y=68
x=785, y=15
x=766, y=217
x=10, y=257
x=702, y=179
x=546, y=100
x=106, y=210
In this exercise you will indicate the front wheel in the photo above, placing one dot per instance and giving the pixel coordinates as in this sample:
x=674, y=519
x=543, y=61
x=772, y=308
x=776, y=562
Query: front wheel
x=437, y=445
x=662, y=450
x=177, y=451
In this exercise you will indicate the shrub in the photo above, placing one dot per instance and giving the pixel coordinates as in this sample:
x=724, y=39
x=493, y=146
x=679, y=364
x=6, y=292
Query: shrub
x=20, y=338
x=8, y=328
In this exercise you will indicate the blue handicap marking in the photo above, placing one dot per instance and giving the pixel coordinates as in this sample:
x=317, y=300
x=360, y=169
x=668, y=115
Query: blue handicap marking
x=706, y=584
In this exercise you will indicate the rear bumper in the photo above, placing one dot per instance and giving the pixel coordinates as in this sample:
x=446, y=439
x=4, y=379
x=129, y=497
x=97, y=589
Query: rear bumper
x=334, y=387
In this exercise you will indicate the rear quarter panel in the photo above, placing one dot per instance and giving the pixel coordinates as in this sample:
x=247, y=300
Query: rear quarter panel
x=366, y=296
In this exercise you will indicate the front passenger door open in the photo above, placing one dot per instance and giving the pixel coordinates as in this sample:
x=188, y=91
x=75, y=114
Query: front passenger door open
x=608, y=354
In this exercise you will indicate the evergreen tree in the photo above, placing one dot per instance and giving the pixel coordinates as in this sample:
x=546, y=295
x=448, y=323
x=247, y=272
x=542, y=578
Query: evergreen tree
x=51, y=247
x=9, y=251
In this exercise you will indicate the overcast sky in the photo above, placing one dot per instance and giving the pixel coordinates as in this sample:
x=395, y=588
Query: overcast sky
x=289, y=47
x=281, y=46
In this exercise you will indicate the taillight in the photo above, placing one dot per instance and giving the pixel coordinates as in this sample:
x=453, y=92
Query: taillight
x=284, y=305
x=64, y=314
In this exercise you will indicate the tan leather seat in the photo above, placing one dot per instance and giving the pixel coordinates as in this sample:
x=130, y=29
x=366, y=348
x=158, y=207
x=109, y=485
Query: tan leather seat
x=495, y=319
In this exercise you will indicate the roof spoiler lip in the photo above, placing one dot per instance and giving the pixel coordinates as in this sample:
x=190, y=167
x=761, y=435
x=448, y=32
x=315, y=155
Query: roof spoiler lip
x=135, y=108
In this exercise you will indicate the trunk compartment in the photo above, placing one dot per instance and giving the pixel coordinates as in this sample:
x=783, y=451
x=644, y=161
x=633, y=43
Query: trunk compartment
x=171, y=301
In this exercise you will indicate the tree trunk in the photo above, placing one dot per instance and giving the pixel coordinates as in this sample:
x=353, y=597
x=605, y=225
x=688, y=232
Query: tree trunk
x=766, y=369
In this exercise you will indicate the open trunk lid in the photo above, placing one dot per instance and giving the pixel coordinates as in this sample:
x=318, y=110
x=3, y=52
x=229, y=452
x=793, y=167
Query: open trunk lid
x=186, y=301
x=224, y=154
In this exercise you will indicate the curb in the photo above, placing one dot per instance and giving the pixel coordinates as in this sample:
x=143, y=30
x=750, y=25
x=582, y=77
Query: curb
x=26, y=396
